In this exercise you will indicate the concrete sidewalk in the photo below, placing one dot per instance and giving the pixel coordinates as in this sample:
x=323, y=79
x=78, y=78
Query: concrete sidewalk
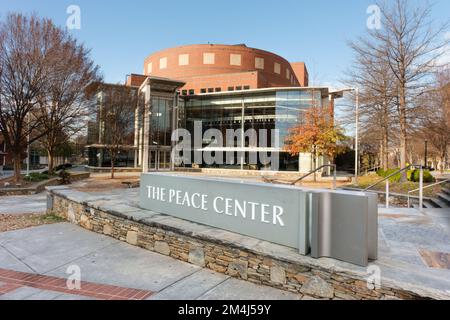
x=35, y=262
x=36, y=203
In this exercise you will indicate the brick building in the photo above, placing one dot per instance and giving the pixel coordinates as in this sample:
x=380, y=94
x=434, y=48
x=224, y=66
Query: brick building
x=223, y=87
x=208, y=68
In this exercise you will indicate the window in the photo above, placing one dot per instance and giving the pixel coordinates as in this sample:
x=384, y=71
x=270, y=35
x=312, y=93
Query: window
x=259, y=63
x=210, y=90
x=183, y=59
x=288, y=74
x=184, y=92
x=246, y=87
x=235, y=59
x=230, y=89
x=218, y=89
x=277, y=68
x=163, y=63
x=238, y=88
x=150, y=67
x=203, y=90
x=208, y=58
x=191, y=91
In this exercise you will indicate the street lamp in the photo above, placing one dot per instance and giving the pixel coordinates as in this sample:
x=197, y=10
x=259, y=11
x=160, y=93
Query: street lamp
x=426, y=154
x=28, y=145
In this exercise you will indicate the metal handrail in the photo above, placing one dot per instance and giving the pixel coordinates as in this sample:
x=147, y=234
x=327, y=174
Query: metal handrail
x=314, y=171
x=423, y=188
x=395, y=173
x=310, y=173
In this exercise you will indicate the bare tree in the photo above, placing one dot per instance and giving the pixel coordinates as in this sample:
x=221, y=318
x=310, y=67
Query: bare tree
x=63, y=108
x=117, y=110
x=411, y=47
x=373, y=76
x=436, y=125
x=25, y=44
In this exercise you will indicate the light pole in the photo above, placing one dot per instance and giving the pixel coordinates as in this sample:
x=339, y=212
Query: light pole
x=28, y=146
x=356, y=135
x=426, y=154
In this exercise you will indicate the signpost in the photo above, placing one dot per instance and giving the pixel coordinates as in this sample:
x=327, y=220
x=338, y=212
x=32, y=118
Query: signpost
x=290, y=216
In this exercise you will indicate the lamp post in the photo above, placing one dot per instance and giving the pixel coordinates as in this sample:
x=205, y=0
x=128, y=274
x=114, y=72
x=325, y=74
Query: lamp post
x=426, y=154
x=356, y=135
x=28, y=146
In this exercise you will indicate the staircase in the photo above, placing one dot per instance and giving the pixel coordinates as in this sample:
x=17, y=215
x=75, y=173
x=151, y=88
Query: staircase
x=441, y=201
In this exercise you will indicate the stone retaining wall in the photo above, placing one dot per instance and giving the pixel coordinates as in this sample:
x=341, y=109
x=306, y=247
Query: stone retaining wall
x=218, y=250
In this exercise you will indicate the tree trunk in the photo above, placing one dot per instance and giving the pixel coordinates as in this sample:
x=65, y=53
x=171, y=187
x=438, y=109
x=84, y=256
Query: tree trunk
x=403, y=131
x=315, y=164
x=443, y=161
x=386, y=150
x=17, y=167
x=50, y=161
x=112, y=166
x=381, y=157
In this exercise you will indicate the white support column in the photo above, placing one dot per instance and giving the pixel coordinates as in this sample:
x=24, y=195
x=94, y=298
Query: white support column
x=147, y=108
x=174, y=127
x=136, y=135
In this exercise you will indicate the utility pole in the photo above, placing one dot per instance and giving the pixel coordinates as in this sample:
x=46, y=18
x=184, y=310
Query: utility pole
x=356, y=135
x=28, y=145
x=426, y=154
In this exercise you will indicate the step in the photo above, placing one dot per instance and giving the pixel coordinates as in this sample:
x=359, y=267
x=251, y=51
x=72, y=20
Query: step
x=438, y=203
x=446, y=191
x=444, y=197
x=426, y=204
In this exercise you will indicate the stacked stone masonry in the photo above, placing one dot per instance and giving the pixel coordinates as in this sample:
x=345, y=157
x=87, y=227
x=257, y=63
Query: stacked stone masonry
x=312, y=282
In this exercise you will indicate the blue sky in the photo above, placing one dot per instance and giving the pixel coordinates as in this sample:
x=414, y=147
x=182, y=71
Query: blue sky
x=122, y=33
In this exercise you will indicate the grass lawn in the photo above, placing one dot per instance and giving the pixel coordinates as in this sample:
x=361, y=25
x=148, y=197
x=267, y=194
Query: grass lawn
x=395, y=187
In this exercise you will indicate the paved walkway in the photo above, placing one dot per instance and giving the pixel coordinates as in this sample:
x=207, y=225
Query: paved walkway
x=36, y=203
x=35, y=263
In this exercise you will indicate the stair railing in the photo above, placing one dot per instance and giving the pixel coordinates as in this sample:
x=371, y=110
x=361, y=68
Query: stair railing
x=423, y=188
x=314, y=171
x=308, y=174
x=395, y=173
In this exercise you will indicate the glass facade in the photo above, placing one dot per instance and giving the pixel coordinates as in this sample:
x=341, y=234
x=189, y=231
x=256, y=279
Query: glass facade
x=267, y=113
x=161, y=121
x=271, y=110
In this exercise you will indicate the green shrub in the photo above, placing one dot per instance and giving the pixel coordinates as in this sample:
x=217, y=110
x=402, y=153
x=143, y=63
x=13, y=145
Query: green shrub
x=381, y=172
x=412, y=175
x=415, y=176
x=37, y=177
x=388, y=172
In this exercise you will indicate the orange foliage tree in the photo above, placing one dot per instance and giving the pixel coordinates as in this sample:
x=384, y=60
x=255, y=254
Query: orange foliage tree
x=316, y=133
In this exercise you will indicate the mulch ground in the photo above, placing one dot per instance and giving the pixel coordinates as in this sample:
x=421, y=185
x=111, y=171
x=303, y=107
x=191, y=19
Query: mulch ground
x=22, y=221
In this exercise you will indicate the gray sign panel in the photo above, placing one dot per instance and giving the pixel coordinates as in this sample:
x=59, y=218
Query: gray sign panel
x=336, y=224
x=267, y=212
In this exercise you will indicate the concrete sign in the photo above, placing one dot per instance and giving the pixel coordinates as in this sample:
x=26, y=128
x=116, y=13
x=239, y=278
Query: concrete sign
x=334, y=224
x=267, y=212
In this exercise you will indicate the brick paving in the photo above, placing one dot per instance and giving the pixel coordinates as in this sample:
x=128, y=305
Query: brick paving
x=13, y=280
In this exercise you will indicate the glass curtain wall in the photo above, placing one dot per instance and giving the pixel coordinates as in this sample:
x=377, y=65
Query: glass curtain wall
x=280, y=110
